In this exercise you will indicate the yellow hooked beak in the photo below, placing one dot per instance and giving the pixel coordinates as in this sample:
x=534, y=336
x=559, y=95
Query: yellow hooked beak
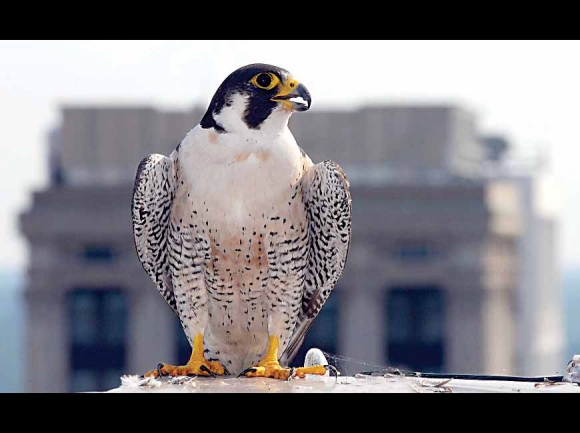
x=293, y=95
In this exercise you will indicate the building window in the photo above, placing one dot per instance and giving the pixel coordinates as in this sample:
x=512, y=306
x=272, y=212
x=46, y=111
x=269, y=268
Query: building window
x=415, y=328
x=415, y=251
x=97, y=336
x=98, y=253
x=323, y=334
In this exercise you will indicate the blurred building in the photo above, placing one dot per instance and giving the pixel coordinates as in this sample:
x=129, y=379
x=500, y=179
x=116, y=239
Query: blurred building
x=452, y=265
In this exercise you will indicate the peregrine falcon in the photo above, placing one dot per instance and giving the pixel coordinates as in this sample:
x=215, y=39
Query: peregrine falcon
x=243, y=235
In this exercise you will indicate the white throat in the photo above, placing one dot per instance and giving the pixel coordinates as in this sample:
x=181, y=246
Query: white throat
x=231, y=118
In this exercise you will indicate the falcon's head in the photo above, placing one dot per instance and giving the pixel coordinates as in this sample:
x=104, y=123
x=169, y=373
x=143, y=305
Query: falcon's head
x=255, y=97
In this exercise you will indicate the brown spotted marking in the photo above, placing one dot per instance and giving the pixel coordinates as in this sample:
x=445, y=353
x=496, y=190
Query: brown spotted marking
x=213, y=137
x=241, y=157
x=263, y=155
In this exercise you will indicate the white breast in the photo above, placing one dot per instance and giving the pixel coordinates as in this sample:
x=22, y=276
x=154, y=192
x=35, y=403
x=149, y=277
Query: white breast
x=239, y=174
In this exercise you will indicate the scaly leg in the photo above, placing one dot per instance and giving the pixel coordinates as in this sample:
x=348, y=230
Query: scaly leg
x=197, y=364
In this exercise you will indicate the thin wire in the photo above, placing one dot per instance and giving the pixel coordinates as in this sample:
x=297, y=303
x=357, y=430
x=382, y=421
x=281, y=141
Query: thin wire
x=382, y=370
x=340, y=362
x=464, y=376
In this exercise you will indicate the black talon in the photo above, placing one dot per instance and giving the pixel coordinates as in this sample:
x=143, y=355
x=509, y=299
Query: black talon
x=332, y=369
x=159, y=367
x=292, y=371
x=207, y=370
x=248, y=370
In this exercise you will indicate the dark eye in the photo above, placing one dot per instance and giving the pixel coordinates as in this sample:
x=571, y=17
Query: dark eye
x=263, y=80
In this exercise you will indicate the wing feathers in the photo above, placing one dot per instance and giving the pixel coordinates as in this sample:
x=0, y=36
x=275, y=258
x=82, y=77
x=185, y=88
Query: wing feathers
x=153, y=196
x=325, y=193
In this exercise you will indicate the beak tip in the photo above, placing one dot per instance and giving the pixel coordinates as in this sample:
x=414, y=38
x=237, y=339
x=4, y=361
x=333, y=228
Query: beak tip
x=303, y=93
x=297, y=99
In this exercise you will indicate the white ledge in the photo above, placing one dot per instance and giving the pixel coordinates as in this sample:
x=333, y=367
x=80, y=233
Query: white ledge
x=346, y=384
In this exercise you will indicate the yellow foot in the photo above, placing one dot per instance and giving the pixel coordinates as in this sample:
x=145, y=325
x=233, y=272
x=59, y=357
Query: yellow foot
x=274, y=370
x=268, y=369
x=205, y=368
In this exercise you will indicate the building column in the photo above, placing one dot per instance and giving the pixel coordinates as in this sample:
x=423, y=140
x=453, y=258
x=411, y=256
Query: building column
x=46, y=335
x=151, y=332
x=498, y=338
x=464, y=332
x=362, y=335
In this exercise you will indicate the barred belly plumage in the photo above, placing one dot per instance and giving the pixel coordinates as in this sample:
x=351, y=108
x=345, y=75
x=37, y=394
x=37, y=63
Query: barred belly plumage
x=248, y=259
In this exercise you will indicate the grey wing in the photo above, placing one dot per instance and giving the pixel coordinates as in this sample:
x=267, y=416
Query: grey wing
x=326, y=195
x=153, y=195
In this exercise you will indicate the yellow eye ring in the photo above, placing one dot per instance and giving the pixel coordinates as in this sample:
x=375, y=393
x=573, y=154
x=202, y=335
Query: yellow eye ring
x=265, y=80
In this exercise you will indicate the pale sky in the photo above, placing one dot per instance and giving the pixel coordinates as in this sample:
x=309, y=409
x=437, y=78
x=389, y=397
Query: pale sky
x=528, y=91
